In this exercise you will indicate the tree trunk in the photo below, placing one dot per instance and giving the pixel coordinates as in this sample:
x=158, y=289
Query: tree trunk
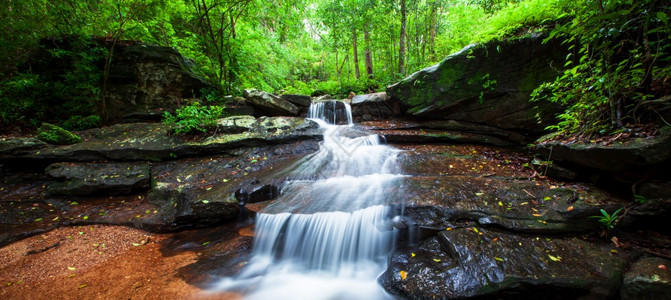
x=432, y=31
x=369, y=59
x=356, y=54
x=401, y=44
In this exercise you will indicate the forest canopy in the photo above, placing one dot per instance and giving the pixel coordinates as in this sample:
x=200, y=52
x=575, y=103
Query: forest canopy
x=298, y=46
x=619, y=60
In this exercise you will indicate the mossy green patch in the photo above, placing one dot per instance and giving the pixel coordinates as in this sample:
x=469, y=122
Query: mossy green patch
x=53, y=134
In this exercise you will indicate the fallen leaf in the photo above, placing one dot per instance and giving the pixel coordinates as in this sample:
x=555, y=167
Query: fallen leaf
x=436, y=260
x=498, y=258
x=613, y=251
x=72, y=268
x=83, y=286
x=136, y=244
x=537, y=215
x=663, y=267
x=476, y=230
x=412, y=254
x=206, y=201
x=495, y=240
x=404, y=274
x=554, y=258
x=206, y=243
x=449, y=228
x=570, y=208
x=479, y=194
x=500, y=203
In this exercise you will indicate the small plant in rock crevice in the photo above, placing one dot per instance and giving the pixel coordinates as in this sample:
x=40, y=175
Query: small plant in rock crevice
x=608, y=221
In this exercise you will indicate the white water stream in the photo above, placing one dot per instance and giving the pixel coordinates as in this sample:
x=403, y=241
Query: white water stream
x=329, y=233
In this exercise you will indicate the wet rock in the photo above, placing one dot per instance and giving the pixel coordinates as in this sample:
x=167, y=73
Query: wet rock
x=150, y=141
x=648, y=278
x=375, y=106
x=10, y=147
x=98, y=178
x=514, y=205
x=299, y=100
x=257, y=194
x=478, y=263
x=490, y=83
x=53, y=134
x=636, y=152
x=181, y=206
x=269, y=104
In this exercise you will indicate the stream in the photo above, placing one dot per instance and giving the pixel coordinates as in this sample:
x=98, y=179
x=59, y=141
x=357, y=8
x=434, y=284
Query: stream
x=329, y=233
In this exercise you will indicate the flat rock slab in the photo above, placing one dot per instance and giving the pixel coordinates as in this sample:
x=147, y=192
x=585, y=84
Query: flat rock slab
x=150, y=141
x=81, y=179
x=616, y=156
x=475, y=262
x=515, y=205
x=185, y=193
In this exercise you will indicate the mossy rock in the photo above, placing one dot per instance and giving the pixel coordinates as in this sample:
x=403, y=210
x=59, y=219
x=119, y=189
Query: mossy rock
x=53, y=134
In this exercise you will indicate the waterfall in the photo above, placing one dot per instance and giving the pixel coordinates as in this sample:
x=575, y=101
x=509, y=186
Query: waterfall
x=328, y=234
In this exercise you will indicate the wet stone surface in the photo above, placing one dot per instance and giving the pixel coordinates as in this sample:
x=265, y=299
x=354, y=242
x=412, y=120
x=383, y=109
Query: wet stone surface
x=504, y=266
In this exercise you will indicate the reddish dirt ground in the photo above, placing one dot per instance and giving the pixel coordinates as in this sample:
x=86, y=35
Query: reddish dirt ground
x=96, y=262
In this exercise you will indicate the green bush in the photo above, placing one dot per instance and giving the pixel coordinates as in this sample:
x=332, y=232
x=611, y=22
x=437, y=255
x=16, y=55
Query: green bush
x=617, y=67
x=53, y=134
x=193, y=118
x=82, y=123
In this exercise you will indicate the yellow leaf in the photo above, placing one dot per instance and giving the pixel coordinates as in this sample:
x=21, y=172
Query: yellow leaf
x=436, y=260
x=613, y=251
x=500, y=203
x=498, y=258
x=476, y=230
x=72, y=268
x=83, y=286
x=449, y=228
x=412, y=254
x=404, y=274
x=536, y=215
x=524, y=203
x=557, y=258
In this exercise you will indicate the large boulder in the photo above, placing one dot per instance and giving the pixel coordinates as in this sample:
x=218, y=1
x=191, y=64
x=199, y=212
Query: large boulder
x=270, y=105
x=490, y=83
x=375, y=106
x=146, y=78
x=142, y=80
x=484, y=264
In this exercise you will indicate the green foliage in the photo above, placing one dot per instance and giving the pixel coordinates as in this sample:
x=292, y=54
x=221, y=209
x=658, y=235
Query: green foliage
x=69, y=85
x=53, y=134
x=640, y=199
x=619, y=62
x=608, y=221
x=82, y=123
x=193, y=118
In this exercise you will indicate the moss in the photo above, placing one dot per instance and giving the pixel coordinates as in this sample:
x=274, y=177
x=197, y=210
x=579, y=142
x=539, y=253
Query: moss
x=53, y=134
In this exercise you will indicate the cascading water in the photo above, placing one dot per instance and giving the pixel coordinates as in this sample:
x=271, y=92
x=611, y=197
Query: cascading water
x=328, y=234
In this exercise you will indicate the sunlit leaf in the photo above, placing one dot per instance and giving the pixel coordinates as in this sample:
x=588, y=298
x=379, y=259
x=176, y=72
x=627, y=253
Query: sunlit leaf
x=404, y=274
x=554, y=258
x=498, y=258
x=72, y=268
